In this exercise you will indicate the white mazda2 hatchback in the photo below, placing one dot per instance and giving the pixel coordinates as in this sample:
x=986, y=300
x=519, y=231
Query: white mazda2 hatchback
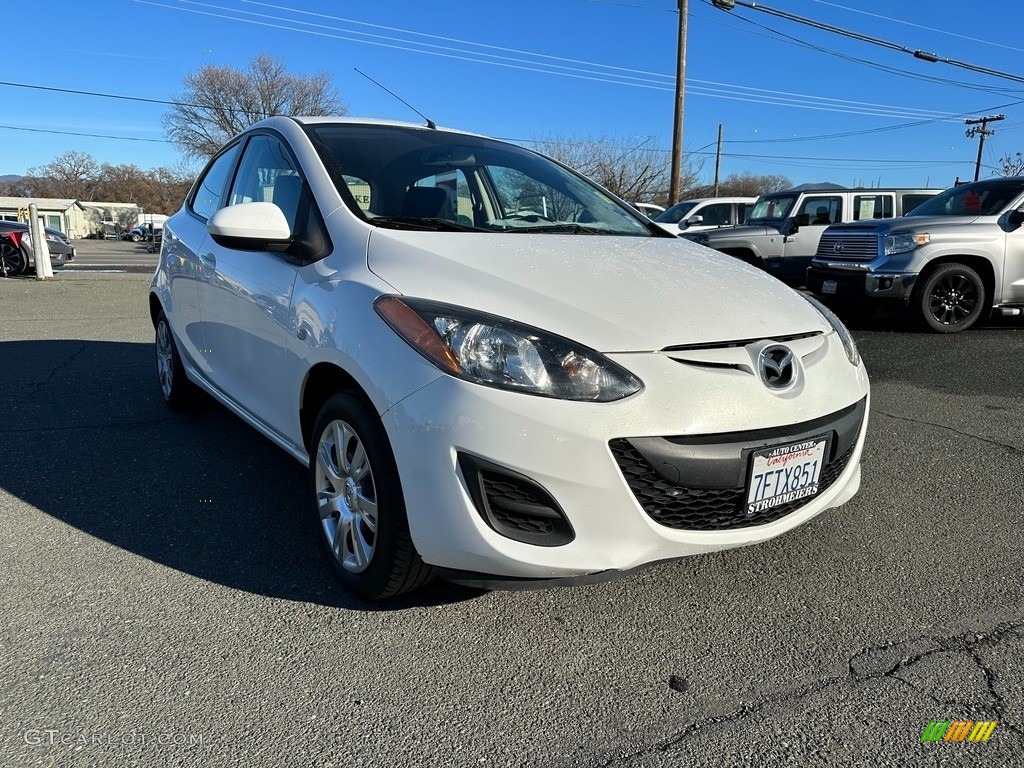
x=494, y=369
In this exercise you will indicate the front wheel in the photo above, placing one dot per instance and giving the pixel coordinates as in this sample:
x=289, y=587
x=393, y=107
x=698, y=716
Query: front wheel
x=951, y=298
x=360, y=509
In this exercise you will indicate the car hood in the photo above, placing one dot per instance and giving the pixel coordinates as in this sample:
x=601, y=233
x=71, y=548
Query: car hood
x=613, y=294
x=742, y=232
x=909, y=223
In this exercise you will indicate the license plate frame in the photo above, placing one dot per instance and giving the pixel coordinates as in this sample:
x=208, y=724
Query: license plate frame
x=784, y=473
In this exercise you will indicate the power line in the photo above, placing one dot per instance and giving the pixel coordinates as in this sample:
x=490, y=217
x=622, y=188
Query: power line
x=873, y=64
x=728, y=5
x=638, y=78
x=90, y=135
x=919, y=26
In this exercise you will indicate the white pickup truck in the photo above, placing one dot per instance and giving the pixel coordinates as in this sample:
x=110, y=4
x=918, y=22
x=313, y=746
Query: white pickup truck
x=783, y=228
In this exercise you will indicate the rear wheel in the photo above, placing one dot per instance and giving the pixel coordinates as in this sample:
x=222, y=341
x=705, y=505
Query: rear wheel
x=13, y=260
x=179, y=393
x=359, y=504
x=950, y=299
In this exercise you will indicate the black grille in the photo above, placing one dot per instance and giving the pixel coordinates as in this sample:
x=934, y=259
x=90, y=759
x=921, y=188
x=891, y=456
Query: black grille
x=703, y=509
x=514, y=505
x=854, y=247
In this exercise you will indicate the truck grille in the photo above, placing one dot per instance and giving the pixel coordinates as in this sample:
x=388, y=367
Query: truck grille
x=850, y=247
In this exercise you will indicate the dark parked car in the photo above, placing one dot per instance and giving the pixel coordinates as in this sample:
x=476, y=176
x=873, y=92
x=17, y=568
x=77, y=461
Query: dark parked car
x=17, y=257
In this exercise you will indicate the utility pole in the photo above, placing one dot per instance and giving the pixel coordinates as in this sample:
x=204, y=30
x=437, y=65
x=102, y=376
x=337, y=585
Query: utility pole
x=981, y=133
x=718, y=158
x=677, y=127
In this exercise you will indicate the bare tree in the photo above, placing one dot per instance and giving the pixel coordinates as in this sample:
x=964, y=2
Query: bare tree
x=77, y=175
x=71, y=175
x=635, y=171
x=744, y=184
x=1012, y=165
x=218, y=102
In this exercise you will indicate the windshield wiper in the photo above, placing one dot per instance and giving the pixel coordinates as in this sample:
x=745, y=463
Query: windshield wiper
x=569, y=228
x=424, y=224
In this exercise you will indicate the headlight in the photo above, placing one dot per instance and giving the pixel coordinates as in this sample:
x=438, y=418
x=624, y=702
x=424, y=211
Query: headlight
x=496, y=352
x=902, y=243
x=852, y=354
x=53, y=238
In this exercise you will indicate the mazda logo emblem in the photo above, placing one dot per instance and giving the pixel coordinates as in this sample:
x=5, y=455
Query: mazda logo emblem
x=777, y=366
x=838, y=247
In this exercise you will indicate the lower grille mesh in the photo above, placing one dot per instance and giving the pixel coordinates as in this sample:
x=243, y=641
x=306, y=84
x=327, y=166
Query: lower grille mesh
x=702, y=509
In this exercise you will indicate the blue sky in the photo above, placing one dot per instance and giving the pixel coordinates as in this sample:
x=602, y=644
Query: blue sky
x=538, y=68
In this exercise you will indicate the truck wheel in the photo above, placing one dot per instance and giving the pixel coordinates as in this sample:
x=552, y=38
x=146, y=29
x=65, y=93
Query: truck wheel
x=951, y=298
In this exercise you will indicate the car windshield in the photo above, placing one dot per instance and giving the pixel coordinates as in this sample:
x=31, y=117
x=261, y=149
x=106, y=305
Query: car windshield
x=982, y=198
x=771, y=209
x=675, y=214
x=432, y=180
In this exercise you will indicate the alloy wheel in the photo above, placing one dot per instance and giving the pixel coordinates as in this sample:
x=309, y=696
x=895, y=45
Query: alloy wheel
x=346, y=496
x=953, y=299
x=164, y=359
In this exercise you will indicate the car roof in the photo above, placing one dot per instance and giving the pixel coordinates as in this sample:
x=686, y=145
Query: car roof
x=331, y=120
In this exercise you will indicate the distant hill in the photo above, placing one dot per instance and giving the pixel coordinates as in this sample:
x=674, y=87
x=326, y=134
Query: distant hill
x=11, y=177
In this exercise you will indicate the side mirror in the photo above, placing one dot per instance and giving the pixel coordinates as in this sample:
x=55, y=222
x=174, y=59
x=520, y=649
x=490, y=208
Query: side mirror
x=693, y=221
x=1016, y=218
x=249, y=227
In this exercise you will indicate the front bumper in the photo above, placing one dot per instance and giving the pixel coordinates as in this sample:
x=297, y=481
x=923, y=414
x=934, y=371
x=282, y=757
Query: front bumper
x=568, y=449
x=859, y=283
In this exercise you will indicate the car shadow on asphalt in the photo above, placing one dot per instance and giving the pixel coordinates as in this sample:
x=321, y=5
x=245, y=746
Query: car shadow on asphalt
x=88, y=440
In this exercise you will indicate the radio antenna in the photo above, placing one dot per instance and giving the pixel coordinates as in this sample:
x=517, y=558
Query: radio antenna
x=430, y=123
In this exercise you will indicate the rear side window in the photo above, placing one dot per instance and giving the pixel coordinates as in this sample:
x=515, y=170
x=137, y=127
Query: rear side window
x=207, y=196
x=910, y=202
x=872, y=207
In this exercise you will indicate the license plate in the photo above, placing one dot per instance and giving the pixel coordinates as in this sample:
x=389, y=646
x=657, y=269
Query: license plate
x=785, y=473
x=829, y=287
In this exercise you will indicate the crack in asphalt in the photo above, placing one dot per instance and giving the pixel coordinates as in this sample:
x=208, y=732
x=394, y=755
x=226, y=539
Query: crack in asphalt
x=970, y=643
x=55, y=370
x=954, y=430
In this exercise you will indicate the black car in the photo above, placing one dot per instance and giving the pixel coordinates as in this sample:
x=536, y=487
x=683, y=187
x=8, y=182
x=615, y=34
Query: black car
x=17, y=257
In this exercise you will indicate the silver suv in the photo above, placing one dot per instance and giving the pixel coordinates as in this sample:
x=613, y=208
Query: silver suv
x=953, y=260
x=783, y=228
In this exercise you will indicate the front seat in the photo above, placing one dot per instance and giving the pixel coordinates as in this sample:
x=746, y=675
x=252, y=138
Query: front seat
x=427, y=203
x=821, y=216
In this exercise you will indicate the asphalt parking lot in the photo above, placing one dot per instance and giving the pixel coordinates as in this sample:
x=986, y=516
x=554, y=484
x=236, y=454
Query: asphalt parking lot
x=163, y=601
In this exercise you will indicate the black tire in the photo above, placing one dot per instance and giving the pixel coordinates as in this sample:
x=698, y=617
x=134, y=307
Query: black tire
x=178, y=392
x=950, y=298
x=13, y=260
x=135, y=238
x=363, y=526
